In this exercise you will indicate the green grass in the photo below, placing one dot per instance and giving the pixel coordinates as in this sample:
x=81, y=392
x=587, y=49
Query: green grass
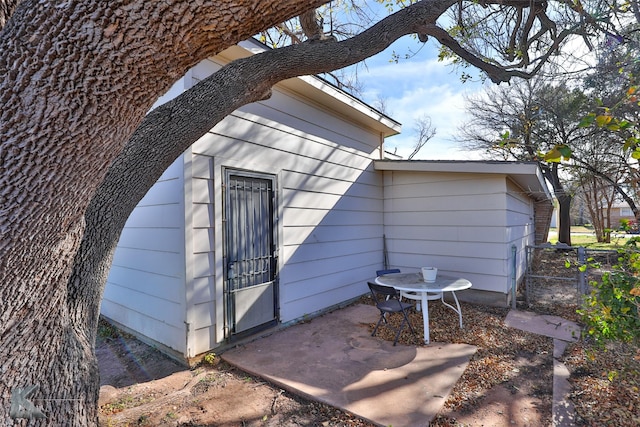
x=579, y=237
x=582, y=229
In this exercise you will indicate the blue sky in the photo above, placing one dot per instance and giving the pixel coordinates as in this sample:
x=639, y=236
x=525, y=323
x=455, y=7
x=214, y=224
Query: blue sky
x=415, y=87
x=421, y=86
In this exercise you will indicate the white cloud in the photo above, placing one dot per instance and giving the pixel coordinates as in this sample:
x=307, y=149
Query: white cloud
x=416, y=87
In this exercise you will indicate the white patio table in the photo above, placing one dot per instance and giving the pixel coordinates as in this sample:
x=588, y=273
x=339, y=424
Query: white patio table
x=424, y=291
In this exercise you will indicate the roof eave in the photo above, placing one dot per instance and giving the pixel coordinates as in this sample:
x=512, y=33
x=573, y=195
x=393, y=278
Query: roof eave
x=322, y=92
x=526, y=174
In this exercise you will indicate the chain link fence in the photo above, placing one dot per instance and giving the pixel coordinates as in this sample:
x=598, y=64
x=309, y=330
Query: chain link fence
x=554, y=281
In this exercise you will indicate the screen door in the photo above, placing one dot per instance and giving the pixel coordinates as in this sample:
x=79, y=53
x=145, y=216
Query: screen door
x=250, y=257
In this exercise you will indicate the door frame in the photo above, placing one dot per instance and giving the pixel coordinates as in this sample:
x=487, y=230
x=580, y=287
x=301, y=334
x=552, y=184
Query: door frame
x=227, y=173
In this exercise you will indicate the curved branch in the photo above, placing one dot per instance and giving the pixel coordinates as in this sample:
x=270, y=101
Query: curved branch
x=171, y=128
x=496, y=74
x=511, y=53
x=524, y=40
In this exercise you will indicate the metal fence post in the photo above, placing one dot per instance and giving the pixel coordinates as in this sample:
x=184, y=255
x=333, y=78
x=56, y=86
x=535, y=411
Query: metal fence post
x=527, y=277
x=582, y=273
x=514, y=273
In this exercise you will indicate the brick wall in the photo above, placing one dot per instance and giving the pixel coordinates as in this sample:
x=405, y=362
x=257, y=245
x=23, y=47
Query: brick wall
x=542, y=215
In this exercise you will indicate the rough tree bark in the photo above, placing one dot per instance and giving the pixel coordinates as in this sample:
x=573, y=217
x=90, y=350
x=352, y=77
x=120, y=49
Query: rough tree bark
x=6, y=10
x=80, y=77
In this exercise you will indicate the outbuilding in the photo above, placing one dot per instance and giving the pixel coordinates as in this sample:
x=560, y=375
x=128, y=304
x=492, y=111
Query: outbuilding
x=285, y=209
x=468, y=218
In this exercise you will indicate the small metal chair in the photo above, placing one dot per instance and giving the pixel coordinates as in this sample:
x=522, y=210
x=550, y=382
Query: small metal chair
x=387, y=300
x=389, y=271
x=408, y=295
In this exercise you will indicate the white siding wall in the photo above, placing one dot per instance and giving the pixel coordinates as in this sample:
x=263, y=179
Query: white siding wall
x=168, y=283
x=456, y=222
x=145, y=288
x=329, y=206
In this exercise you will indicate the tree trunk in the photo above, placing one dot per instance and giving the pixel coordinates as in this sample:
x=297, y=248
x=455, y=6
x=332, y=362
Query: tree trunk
x=78, y=78
x=550, y=173
x=564, y=229
x=67, y=125
x=607, y=223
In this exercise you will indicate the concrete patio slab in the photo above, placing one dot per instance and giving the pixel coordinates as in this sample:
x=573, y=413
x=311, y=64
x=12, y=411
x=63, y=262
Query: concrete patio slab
x=563, y=411
x=542, y=324
x=334, y=359
x=562, y=331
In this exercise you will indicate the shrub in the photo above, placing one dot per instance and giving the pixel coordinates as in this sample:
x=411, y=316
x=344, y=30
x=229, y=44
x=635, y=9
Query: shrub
x=610, y=311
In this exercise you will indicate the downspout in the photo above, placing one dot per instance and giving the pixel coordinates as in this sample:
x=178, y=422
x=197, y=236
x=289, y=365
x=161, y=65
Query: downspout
x=385, y=254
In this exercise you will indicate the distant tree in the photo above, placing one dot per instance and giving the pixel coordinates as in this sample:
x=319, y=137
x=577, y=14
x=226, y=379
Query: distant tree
x=600, y=173
x=424, y=132
x=613, y=83
x=558, y=124
x=529, y=121
x=597, y=192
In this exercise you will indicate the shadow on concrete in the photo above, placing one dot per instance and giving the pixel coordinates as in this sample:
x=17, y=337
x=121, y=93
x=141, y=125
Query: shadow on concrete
x=333, y=359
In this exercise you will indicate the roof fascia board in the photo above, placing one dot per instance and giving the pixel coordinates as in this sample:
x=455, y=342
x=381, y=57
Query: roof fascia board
x=526, y=174
x=320, y=91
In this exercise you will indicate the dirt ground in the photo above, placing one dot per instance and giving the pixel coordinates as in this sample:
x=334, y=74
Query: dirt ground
x=141, y=386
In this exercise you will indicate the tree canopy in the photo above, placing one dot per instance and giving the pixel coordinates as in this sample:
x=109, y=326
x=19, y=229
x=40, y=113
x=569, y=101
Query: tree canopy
x=78, y=148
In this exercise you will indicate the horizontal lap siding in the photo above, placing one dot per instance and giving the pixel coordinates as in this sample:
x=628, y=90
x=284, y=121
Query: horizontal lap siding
x=312, y=234
x=145, y=288
x=456, y=222
x=519, y=208
x=309, y=217
x=449, y=233
x=330, y=198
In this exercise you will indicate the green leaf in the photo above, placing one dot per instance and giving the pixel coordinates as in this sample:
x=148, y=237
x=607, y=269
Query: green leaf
x=629, y=143
x=624, y=124
x=565, y=150
x=558, y=153
x=587, y=120
x=603, y=120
